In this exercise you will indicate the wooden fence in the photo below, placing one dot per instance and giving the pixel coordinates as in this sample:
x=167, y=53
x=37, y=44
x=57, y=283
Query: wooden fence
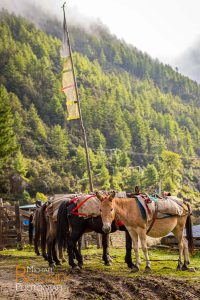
x=13, y=226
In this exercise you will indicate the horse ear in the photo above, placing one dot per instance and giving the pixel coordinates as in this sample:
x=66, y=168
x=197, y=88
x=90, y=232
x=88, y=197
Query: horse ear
x=112, y=196
x=98, y=195
x=137, y=190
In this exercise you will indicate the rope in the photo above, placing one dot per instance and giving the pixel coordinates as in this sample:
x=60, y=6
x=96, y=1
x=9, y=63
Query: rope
x=75, y=209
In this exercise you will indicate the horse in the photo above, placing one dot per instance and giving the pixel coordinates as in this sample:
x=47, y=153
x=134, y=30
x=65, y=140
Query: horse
x=46, y=228
x=40, y=225
x=128, y=211
x=71, y=227
x=44, y=234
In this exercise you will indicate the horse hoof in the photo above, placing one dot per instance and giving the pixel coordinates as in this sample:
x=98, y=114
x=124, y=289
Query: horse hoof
x=108, y=264
x=179, y=268
x=52, y=265
x=75, y=269
x=184, y=268
x=131, y=266
x=147, y=269
x=134, y=269
x=80, y=266
x=110, y=259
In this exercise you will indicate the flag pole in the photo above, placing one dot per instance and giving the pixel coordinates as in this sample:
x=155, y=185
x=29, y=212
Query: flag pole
x=65, y=28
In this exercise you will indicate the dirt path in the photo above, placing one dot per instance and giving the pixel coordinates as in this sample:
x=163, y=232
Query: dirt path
x=90, y=284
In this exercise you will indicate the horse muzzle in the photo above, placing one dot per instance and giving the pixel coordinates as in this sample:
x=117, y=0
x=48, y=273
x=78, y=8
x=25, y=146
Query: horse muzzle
x=106, y=228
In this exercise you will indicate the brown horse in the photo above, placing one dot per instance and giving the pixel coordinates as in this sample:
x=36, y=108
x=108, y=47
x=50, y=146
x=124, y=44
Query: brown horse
x=128, y=211
x=40, y=225
x=45, y=232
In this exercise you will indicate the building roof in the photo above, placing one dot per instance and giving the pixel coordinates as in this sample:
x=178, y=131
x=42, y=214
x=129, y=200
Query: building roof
x=33, y=206
x=195, y=231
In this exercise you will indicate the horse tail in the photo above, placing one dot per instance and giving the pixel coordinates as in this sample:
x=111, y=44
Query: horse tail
x=189, y=233
x=43, y=229
x=62, y=225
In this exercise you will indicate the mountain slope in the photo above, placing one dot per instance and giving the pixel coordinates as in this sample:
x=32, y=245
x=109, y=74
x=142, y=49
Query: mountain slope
x=122, y=109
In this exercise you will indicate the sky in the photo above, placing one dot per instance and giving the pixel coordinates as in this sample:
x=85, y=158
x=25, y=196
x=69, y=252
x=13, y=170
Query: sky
x=165, y=29
x=162, y=28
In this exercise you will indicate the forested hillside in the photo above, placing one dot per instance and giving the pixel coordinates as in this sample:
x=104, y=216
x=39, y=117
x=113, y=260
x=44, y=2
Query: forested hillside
x=142, y=118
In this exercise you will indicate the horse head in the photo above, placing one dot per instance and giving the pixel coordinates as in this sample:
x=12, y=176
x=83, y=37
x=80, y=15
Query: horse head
x=107, y=210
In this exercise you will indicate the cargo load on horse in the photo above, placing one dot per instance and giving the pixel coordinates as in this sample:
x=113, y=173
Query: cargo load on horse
x=83, y=205
x=162, y=205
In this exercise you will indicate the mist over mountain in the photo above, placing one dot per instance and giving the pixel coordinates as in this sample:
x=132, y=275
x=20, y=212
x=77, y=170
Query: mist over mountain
x=189, y=63
x=45, y=13
x=26, y=8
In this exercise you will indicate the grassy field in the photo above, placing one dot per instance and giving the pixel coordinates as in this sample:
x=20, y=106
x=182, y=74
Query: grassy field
x=164, y=261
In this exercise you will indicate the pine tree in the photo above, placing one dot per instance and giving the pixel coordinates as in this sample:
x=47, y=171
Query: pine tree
x=7, y=137
x=150, y=175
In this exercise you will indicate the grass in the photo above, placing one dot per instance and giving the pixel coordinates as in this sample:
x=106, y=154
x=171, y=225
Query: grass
x=93, y=261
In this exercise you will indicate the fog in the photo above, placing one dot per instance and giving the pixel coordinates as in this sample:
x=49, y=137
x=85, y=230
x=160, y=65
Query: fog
x=38, y=11
x=43, y=12
x=189, y=63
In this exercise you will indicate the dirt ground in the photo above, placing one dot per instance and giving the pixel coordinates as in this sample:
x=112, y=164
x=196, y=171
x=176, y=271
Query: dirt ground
x=92, y=282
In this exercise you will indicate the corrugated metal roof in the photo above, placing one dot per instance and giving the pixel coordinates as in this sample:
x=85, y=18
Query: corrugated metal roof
x=195, y=230
x=28, y=206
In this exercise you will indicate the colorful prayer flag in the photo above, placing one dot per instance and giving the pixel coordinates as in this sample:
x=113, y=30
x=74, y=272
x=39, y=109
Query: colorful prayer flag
x=68, y=80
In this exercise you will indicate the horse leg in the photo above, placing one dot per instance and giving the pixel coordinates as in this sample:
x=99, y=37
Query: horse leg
x=128, y=258
x=36, y=241
x=61, y=254
x=49, y=251
x=143, y=239
x=134, y=237
x=78, y=255
x=179, y=235
x=54, y=252
x=105, y=245
x=70, y=249
x=80, y=245
x=43, y=233
x=186, y=255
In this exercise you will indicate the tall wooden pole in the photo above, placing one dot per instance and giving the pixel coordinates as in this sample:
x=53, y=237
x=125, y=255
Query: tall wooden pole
x=78, y=102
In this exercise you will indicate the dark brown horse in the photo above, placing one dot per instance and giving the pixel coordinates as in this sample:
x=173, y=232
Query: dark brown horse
x=40, y=224
x=71, y=227
x=43, y=235
x=45, y=229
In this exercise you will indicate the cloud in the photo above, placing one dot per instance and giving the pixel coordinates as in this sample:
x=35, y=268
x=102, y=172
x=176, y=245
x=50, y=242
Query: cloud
x=189, y=62
x=38, y=11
